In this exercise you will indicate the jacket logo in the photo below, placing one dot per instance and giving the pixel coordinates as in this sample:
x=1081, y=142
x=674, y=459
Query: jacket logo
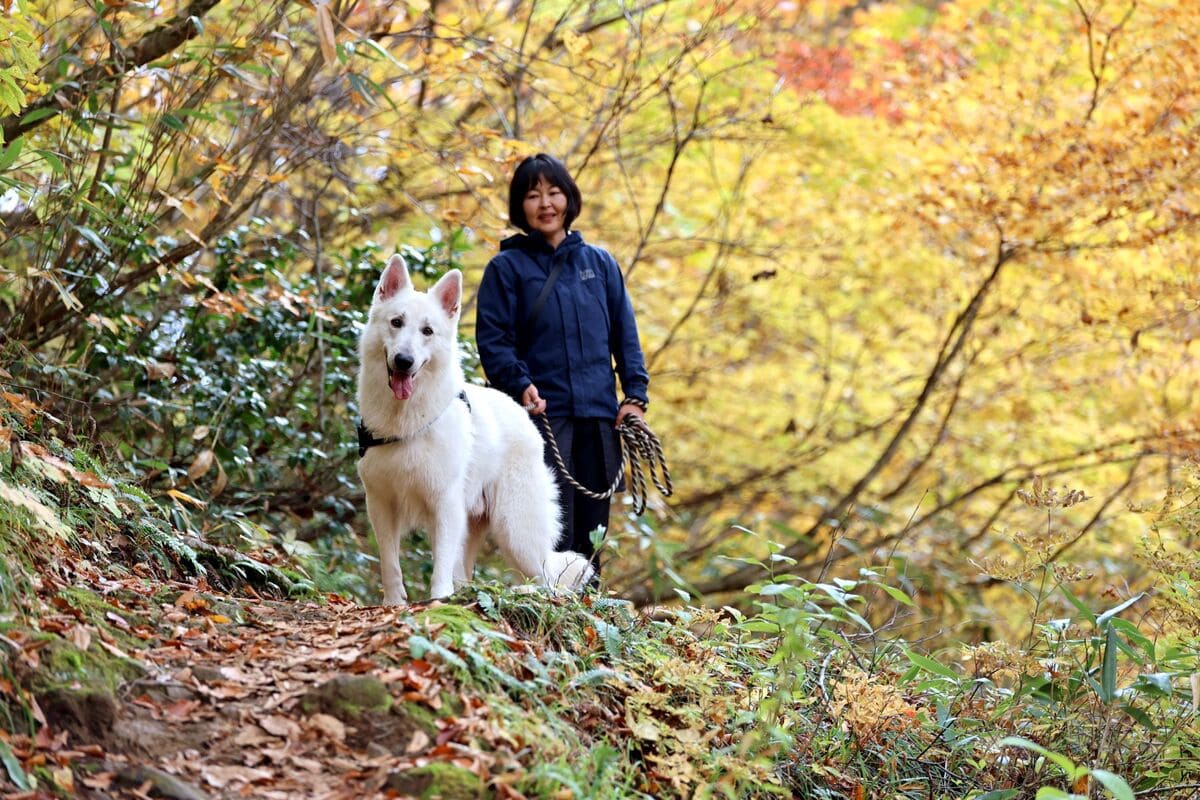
x=586, y=275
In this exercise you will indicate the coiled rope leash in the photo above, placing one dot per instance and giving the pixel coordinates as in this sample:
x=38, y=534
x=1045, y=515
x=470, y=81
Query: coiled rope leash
x=640, y=449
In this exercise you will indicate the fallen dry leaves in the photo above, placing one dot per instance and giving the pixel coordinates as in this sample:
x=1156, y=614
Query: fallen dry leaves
x=221, y=709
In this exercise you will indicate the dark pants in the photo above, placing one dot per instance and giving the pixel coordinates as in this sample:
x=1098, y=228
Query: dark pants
x=591, y=451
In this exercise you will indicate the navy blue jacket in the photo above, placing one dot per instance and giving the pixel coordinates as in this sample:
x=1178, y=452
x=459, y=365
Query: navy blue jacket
x=585, y=324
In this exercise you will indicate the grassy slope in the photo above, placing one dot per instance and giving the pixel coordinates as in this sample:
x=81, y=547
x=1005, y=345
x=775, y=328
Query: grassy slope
x=136, y=658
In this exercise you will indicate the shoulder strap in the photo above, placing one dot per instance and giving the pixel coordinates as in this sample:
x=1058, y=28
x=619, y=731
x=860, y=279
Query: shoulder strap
x=545, y=293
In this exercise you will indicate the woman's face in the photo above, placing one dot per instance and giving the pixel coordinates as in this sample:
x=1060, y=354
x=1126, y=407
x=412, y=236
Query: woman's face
x=546, y=211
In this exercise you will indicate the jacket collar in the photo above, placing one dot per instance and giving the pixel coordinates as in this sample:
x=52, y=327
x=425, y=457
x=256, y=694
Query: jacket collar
x=536, y=243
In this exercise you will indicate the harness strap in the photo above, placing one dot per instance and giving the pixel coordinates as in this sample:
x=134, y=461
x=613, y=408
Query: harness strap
x=367, y=440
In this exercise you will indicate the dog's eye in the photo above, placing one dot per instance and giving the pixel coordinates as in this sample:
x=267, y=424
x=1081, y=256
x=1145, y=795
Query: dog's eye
x=427, y=330
x=398, y=322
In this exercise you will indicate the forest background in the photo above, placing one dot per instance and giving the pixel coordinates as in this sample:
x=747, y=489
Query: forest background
x=893, y=262
x=915, y=281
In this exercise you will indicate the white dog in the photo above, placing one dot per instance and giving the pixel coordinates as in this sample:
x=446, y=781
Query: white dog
x=450, y=458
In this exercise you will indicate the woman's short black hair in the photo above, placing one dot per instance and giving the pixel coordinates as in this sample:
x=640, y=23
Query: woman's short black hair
x=526, y=177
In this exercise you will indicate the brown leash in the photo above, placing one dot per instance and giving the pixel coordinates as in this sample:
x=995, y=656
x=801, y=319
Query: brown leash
x=640, y=449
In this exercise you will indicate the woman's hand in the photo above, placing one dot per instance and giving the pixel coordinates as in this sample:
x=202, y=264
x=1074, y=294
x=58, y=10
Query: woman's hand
x=628, y=409
x=532, y=401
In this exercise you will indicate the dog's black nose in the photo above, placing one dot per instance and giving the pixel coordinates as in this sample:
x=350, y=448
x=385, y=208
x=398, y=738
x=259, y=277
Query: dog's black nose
x=402, y=363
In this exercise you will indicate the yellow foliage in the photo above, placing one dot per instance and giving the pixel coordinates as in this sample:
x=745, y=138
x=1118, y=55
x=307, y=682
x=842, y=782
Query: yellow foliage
x=870, y=709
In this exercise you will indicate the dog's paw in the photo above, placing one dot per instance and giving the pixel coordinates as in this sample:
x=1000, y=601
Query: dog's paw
x=568, y=570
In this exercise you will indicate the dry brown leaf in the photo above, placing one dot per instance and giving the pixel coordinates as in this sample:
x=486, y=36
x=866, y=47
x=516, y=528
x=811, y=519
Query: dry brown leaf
x=420, y=741
x=201, y=465
x=280, y=726
x=101, y=781
x=21, y=404
x=252, y=736
x=277, y=755
x=325, y=33
x=81, y=637
x=238, y=675
x=159, y=370
x=220, y=776
x=222, y=480
x=181, y=709
x=308, y=764
x=332, y=727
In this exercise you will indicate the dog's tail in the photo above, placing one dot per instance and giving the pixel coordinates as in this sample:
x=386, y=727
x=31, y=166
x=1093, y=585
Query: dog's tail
x=566, y=570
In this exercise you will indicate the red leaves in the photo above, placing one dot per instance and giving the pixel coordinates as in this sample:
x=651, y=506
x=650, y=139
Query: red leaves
x=831, y=73
x=855, y=83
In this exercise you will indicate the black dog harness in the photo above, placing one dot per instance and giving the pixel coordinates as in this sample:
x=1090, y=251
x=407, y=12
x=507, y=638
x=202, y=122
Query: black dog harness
x=367, y=440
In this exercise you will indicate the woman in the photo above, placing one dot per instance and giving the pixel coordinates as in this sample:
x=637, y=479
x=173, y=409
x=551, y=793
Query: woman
x=552, y=317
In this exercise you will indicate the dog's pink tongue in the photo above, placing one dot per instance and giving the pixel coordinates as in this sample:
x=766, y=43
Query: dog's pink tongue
x=402, y=385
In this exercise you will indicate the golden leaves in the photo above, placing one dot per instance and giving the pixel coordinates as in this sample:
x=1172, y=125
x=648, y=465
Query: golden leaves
x=1039, y=495
x=870, y=709
x=576, y=44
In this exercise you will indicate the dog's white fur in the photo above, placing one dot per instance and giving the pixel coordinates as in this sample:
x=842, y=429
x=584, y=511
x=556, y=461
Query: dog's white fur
x=457, y=471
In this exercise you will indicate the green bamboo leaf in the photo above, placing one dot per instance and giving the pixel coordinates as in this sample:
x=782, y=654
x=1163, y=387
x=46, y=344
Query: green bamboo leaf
x=1115, y=784
x=858, y=620
x=896, y=594
x=1052, y=793
x=1103, y=619
x=1079, y=604
x=13, y=767
x=10, y=154
x=1134, y=637
x=1156, y=682
x=39, y=114
x=1064, y=763
x=364, y=88
x=56, y=164
x=931, y=666
x=1140, y=717
x=382, y=51
x=1108, y=668
x=94, y=238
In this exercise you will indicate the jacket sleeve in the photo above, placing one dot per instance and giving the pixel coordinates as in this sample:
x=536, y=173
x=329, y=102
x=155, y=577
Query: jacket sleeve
x=623, y=336
x=496, y=331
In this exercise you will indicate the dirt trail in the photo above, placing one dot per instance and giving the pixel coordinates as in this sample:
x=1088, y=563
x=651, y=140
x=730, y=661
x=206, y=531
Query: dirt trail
x=247, y=698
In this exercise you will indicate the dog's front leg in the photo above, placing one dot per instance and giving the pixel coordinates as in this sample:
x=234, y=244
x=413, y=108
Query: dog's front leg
x=449, y=546
x=389, y=563
x=389, y=532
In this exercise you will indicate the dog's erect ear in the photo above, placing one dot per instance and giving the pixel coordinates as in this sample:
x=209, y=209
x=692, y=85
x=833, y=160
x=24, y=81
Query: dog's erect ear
x=394, y=278
x=448, y=292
